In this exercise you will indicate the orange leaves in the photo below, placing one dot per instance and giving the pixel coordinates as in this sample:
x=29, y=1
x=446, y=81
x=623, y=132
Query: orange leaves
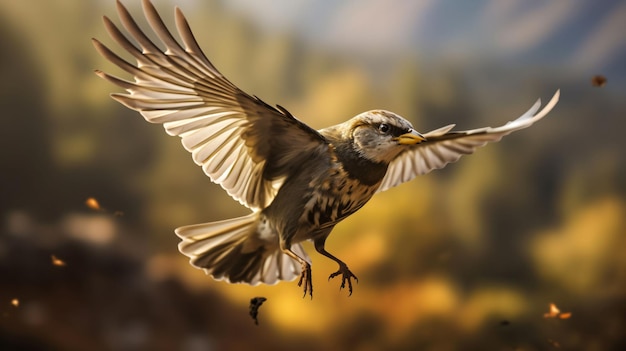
x=556, y=313
x=93, y=204
x=565, y=315
x=57, y=261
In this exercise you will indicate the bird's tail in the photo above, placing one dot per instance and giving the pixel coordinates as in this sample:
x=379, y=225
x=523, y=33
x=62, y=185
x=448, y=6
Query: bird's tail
x=233, y=250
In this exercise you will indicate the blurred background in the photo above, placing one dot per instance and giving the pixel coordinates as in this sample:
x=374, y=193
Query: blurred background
x=466, y=258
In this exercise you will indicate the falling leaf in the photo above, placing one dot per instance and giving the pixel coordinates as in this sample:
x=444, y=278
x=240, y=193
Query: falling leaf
x=598, y=80
x=565, y=315
x=555, y=312
x=93, y=204
x=255, y=303
x=57, y=262
x=15, y=302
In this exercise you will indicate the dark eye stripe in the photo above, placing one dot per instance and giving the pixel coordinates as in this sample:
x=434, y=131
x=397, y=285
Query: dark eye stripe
x=397, y=131
x=393, y=130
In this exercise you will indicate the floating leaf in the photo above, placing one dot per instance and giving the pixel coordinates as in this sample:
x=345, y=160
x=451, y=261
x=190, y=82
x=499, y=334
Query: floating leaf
x=598, y=80
x=57, y=261
x=556, y=313
x=93, y=204
x=255, y=303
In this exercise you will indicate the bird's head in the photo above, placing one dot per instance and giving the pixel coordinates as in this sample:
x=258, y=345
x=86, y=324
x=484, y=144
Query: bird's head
x=380, y=135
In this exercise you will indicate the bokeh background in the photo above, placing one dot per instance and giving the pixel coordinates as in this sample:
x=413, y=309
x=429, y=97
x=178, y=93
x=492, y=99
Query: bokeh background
x=465, y=258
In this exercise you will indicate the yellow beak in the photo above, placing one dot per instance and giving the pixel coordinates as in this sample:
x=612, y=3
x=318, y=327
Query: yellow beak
x=410, y=138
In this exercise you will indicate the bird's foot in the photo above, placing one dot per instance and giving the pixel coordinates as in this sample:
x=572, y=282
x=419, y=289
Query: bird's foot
x=346, y=276
x=305, y=277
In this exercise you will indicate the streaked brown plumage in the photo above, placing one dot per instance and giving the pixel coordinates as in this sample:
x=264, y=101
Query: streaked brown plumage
x=298, y=182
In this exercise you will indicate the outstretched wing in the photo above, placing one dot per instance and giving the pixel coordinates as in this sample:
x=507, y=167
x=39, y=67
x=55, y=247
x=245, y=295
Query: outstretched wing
x=243, y=144
x=443, y=146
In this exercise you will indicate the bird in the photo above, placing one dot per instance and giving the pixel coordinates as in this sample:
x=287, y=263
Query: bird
x=298, y=182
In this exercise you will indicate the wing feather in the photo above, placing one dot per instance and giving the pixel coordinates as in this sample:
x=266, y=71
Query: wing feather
x=233, y=136
x=443, y=146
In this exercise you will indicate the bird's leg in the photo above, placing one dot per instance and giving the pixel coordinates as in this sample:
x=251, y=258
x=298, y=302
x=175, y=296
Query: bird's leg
x=305, y=275
x=346, y=274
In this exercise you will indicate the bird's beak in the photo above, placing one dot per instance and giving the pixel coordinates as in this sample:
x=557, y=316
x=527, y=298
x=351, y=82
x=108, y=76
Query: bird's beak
x=410, y=138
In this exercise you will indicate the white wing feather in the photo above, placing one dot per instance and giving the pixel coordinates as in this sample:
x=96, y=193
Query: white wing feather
x=229, y=133
x=443, y=146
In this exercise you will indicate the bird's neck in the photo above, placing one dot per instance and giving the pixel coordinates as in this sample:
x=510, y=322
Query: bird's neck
x=358, y=167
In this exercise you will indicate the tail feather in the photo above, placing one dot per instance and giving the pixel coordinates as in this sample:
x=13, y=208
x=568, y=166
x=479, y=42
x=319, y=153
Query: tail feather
x=201, y=237
x=232, y=250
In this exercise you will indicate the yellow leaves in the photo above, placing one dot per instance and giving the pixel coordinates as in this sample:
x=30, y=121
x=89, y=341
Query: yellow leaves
x=15, y=302
x=496, y=301
x=471, y=185
x=585, y=249
x=403, y=304
x=336, y=97
x=367, y=249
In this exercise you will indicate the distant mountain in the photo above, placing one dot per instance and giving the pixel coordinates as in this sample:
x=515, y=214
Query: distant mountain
x=581, y=34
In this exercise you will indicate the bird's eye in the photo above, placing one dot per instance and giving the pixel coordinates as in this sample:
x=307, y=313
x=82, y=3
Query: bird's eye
x=384, y=128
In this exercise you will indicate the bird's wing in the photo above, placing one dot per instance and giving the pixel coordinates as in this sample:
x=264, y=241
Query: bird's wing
x=443, y=146
x=243, y=144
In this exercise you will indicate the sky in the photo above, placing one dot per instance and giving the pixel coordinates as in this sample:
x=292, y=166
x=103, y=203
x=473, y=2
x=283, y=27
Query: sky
x=583, y=34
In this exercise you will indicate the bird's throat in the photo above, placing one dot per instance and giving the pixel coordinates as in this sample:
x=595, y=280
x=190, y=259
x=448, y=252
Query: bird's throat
x=358, y=167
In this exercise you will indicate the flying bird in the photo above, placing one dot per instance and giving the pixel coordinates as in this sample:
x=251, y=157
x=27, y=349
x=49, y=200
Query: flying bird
x=298, y=182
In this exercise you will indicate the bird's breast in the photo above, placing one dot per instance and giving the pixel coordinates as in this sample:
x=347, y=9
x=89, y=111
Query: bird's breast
x=334, y=196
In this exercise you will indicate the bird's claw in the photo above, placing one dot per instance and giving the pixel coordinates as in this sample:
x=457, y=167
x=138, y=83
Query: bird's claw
x=346, y=276
x=305, y=277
